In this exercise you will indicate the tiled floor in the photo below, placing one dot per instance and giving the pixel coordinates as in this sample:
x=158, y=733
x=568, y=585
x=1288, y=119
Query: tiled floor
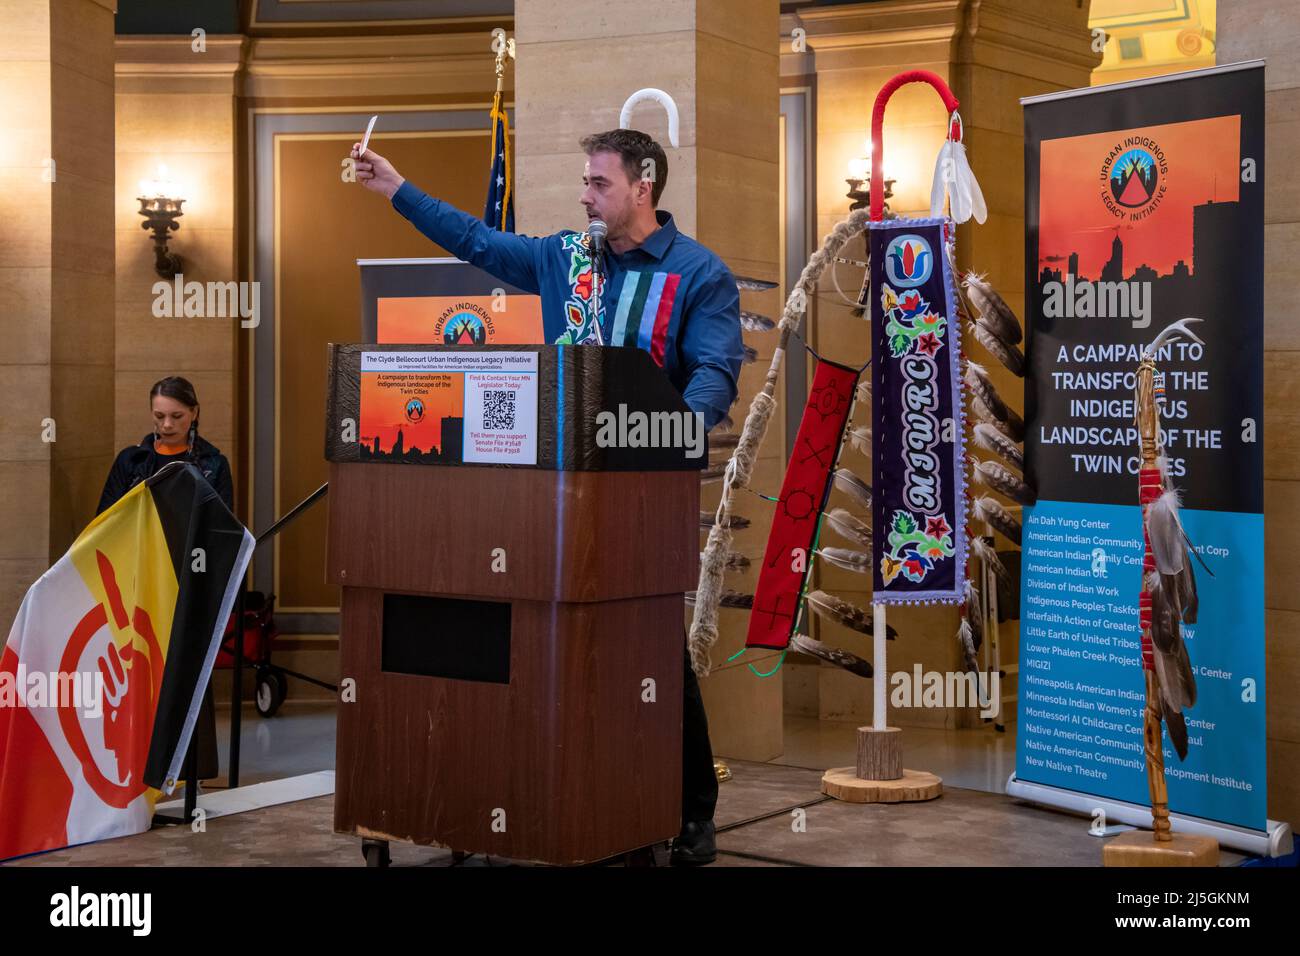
x=300, y=739
x=757, y=822
x=771, y=814
x=977, y=759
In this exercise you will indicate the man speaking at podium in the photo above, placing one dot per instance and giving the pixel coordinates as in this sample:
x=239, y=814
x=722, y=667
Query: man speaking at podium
x=663, y=292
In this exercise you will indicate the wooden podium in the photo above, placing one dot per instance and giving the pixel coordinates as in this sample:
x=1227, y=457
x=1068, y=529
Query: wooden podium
x=515, y=633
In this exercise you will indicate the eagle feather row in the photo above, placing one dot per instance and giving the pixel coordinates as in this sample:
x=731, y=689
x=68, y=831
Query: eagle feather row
x=1004, y=481
x=857, y=561
x=1006, y=353
x=842, y=612
x=989, y=438
x=993, y=309
x=995, y=515
x=733, y=561
x=730, y=598
x=753, y=322
x=832, y=655
x=990, y=558
x=967, y=641
x=974, y=613
x=849, y=526
x=708, y=519
x=853, y=486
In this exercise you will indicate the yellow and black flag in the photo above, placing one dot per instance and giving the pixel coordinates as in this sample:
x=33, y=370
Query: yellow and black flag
x=105, y=667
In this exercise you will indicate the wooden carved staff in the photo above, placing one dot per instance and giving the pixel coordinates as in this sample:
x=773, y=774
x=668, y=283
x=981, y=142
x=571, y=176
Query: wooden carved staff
x=1150, y=489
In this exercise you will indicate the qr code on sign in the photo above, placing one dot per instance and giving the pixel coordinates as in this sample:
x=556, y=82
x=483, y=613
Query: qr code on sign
x=499, y=410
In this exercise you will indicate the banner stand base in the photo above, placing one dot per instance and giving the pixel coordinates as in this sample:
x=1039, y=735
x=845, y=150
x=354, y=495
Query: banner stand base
x=1140, y=848
x=1277, y=840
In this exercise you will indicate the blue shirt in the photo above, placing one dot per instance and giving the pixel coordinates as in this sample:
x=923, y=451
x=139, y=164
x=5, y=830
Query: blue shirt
x=670, y=296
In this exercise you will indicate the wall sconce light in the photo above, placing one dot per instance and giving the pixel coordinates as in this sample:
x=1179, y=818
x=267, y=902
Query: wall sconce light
x=160, y=205
x=859, y=180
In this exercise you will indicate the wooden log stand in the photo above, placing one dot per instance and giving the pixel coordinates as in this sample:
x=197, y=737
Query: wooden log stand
x=879, y=776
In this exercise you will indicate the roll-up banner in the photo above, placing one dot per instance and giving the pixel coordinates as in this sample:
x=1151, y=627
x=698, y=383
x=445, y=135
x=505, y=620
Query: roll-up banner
x=1144, y=205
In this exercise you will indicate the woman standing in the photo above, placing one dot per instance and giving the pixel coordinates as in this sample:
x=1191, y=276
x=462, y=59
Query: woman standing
x=175, y=437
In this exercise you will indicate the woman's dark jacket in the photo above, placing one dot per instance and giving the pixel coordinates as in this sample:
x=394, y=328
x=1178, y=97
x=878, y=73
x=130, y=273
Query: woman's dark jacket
x=135, y=464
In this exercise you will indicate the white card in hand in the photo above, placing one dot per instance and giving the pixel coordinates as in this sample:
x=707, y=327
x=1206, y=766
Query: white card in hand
x=365, y=140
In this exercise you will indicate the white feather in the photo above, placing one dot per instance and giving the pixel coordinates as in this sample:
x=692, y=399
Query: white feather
x=1166, y=533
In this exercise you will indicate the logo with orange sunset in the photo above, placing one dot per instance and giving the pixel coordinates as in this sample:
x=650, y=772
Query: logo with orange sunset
x=1134, y=172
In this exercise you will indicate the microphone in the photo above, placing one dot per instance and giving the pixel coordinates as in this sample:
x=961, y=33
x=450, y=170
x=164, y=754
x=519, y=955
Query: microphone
x=596, y=233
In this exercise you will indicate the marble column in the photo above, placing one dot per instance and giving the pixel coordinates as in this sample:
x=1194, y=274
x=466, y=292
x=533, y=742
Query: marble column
x=56, y=280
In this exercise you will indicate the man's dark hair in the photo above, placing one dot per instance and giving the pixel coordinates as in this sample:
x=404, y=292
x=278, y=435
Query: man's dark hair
x=634, y=148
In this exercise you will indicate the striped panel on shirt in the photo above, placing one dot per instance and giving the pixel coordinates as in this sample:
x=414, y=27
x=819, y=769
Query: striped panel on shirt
x=645, y=307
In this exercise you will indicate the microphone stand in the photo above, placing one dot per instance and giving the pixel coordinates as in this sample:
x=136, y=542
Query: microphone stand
x=597, y=288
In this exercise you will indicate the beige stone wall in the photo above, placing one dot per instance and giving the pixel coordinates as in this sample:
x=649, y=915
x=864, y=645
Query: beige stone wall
x=56, y=279
x=720, y=62
x=1270, y=29
x=176, y=106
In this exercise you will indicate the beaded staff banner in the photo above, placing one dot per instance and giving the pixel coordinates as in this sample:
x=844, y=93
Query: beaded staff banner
x=919, y=507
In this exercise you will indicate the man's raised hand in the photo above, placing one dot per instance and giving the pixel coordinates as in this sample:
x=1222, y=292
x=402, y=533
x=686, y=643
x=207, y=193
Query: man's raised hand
x=376, y=173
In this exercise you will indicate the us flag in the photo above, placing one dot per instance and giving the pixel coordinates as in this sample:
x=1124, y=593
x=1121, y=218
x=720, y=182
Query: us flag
x=499, y=210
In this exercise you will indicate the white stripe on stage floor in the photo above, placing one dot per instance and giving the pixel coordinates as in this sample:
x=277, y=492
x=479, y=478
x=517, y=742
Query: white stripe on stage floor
x=255, y=796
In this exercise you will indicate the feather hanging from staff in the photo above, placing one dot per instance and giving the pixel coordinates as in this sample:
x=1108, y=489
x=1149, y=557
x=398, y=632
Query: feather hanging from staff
x=842, y=612
x=989, y=438
x=860, y=440
x=994, y=313
x=708, y=519
x=832, y=655
x=1165, y=531
x=857, y=561
x=751, y=354
x=753, y=322
x=967, y=642
x=995, y=515
x=864, y=391
x=853, y=486
x=977, y=380
x=849, y=527
x=730, y=598
x=1173, y=666
x=1184, y=587
x=734, y=561
x=1006, y=353
x=973, y=610
x=982, y=550
x=1009, y=428
x=1003, y=481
